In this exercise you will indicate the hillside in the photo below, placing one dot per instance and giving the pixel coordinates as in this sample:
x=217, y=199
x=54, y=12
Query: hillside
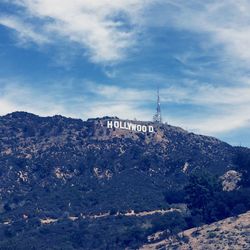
x=230, y=233
x=59, y=173
x=54, y=152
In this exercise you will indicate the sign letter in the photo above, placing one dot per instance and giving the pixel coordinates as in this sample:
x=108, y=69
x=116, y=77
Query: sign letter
x=109, y=124
x=151, y=129
x=116, y=124
x=138, y=127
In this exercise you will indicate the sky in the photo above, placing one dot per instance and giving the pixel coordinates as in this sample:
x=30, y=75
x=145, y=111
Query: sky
x=94, y=58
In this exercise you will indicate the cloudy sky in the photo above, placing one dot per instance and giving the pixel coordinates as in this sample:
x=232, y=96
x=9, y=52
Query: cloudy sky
x=91, y=58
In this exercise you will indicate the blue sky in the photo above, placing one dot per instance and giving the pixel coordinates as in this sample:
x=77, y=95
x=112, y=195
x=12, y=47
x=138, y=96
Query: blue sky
x=91, y=58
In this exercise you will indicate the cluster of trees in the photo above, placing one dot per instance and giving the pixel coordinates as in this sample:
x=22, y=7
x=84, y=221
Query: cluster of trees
x=206, y=199
x=208, y=202
x=114, y=232
x=243, y=162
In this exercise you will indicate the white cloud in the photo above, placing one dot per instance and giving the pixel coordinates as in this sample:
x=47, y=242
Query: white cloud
x=105, y=28
x=231, y=108
x=121, y=110
x=25, y=31
x=16, y=96
x=226, y=23
x=94, y=25
x=108, y=28
x=120, y=94
x=95, y=100
x=214, y=124
x=209, y=95
x=6, y=106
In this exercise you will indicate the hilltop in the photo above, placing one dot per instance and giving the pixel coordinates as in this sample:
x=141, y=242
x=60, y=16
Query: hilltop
x=58, y=172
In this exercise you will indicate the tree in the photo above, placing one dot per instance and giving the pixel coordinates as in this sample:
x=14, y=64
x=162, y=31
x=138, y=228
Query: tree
x=202, y=192
x=243, y=162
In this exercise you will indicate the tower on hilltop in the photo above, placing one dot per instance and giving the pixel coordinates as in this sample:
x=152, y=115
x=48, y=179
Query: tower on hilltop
x=157, y=117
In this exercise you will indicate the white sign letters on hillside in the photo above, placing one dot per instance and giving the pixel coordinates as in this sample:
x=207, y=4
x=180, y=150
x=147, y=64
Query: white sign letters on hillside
x=130, y=126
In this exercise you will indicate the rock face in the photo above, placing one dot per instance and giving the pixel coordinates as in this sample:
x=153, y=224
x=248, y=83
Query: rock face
x=231, y=233
x=104, y=168
x=230, y=180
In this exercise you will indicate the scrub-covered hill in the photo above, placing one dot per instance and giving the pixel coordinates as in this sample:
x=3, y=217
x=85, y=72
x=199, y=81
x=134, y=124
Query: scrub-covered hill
x=56, y=168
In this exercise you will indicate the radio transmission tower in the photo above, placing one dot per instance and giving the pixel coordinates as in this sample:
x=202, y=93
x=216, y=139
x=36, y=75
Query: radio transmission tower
x=157, y=117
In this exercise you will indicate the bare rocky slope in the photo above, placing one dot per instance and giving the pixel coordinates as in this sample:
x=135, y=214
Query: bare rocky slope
x=231, y=233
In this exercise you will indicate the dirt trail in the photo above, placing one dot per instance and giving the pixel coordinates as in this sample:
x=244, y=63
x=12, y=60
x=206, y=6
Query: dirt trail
x=49, y=220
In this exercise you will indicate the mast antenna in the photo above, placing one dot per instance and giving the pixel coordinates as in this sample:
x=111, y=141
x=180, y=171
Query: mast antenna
x=157, y=117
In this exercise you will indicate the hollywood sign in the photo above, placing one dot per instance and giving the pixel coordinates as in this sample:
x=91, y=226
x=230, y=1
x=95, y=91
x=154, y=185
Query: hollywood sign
x=130, y=126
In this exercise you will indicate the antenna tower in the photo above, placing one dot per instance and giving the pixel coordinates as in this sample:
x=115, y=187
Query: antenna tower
x=157, y=117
